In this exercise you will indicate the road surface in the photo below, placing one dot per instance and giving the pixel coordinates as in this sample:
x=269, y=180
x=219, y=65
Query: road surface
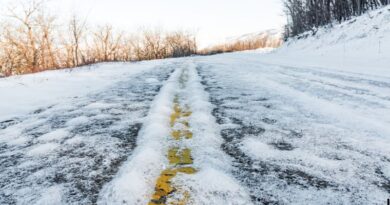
x=224, y=129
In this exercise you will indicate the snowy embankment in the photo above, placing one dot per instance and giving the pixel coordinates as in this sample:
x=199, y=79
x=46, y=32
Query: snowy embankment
x=361, y=44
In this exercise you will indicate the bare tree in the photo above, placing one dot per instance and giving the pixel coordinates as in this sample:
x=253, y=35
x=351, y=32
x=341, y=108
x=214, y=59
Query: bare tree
x=47, y=44
x=32, y=40
x=77, y=29
x=107, y=43
x=153, y=44
x=306, y=15
x=23, y=35
x=180, y=43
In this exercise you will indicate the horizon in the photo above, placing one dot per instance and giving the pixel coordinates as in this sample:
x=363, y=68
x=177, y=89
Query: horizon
x=215, y=24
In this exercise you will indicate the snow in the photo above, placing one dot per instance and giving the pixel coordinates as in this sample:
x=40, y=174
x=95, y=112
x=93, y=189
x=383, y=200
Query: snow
x=135, y=181
x=65, y=148
x=272, y=37
x=288, y=126
x=215, y=187
x=26, y=93
x=149, y=159
x=262, y=151
x=56, y=135
x=52, y=195
x=77, y=121
x=213, y=184
x=43, y=149
x=301, y=135
x=361, y=45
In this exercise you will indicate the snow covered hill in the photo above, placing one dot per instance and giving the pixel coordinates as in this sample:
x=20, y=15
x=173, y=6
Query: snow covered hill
x=361, y=44
x=272, y=38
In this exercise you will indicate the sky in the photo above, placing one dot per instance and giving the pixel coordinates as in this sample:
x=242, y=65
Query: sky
x=212, y=20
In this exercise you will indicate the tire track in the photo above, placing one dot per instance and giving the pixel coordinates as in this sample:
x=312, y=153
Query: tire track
x=285, y=153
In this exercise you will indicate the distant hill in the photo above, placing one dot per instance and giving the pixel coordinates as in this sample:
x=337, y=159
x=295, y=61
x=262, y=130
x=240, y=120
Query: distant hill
x=272, y=38
x=264, y=39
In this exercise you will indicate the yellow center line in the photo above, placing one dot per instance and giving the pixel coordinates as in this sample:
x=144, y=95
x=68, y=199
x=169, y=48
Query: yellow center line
x=180, y=159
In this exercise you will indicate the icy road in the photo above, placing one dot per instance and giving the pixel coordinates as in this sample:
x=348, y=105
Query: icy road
x=224, y=129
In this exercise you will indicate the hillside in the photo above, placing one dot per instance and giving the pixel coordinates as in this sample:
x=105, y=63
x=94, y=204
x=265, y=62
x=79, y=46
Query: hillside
x=361, y=44
x=270, y=38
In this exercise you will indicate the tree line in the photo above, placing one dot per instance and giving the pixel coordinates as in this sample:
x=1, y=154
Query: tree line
x=33, y=40
x=304, y=15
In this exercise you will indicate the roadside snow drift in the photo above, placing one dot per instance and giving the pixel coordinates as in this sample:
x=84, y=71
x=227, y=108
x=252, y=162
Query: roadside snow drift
x=361, y=44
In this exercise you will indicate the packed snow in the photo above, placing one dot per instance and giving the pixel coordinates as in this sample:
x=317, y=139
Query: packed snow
x=23, y=94
x=211, y=185
x=63, y=151
x=301, y=135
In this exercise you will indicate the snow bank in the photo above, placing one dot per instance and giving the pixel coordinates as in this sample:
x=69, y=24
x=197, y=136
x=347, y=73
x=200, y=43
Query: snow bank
x=361, y=44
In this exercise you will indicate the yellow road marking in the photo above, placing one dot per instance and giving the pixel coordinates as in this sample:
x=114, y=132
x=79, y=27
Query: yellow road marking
x=164, y=185
x=180, y=159
x=178, y=134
